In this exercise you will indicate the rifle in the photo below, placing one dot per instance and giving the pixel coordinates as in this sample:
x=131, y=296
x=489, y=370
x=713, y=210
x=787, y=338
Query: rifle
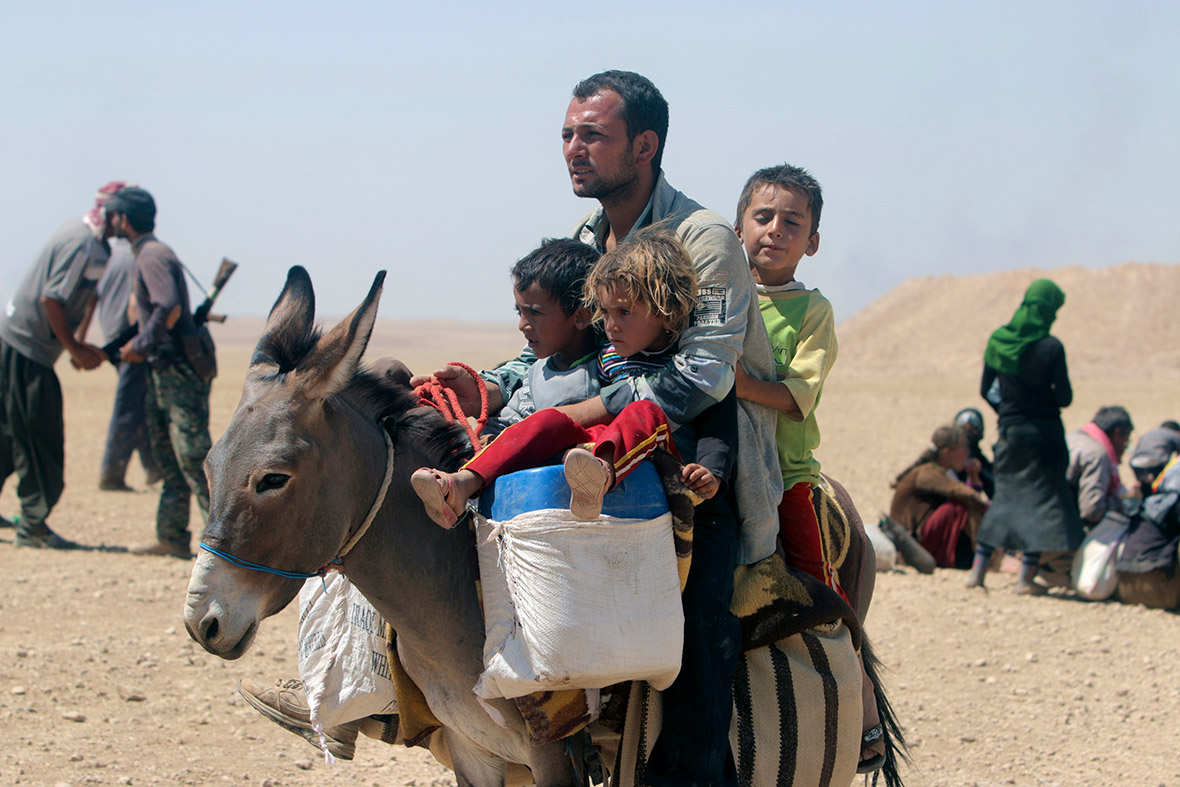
x=201, y=315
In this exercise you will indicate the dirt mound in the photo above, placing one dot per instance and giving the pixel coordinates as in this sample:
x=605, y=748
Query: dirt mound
x=1118, y=320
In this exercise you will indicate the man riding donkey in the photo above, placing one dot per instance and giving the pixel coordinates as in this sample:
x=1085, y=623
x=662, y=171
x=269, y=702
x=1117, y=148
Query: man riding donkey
x=613, y=139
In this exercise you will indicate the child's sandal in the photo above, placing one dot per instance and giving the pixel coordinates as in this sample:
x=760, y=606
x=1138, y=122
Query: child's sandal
x=590, y=479
x=873, y=741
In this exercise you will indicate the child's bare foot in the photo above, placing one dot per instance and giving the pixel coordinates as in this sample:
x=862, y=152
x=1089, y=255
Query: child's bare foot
x=872, y=740
x=444, y=495
x=590, y=478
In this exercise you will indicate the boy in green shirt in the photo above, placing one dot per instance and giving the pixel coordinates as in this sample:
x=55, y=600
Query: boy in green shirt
x=778, y=223
x=778, y=219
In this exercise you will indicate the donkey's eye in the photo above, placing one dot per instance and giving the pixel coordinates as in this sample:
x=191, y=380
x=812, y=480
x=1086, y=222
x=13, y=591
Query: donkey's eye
x=272, y=481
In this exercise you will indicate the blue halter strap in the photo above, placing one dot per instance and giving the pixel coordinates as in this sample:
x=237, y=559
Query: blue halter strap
x=237, y=561
x=337, y=561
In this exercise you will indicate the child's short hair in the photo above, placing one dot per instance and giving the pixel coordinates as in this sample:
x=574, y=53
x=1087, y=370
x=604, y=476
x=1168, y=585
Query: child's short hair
x=785, y=176
x=651, y=267
x=559, y=267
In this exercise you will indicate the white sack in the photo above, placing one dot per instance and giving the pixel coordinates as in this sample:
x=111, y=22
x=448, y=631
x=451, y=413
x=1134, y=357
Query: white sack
x=342, y=660
x=883, y=546
x=1093, y=573
x=576, y=604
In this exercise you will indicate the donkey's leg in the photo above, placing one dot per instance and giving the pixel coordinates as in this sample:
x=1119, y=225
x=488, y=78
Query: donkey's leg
x=551, y=765
x=474, y=766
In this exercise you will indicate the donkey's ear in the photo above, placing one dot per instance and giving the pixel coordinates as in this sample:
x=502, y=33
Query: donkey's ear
x=334, y=361
x=290, y=327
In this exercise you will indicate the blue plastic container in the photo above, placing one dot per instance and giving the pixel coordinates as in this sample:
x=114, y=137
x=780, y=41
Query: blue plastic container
x=639, y=496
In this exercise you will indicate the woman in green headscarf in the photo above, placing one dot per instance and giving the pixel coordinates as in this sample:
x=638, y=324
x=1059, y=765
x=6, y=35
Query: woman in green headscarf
x=1026, y=381
x=1029, y=324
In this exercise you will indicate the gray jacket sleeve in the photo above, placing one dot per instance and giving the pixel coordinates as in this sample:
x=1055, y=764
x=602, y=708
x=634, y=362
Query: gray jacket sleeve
x=1089, y=473
x=701, y=374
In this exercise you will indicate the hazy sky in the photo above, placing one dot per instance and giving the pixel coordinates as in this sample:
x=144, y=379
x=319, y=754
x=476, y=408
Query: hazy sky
x=950, y=138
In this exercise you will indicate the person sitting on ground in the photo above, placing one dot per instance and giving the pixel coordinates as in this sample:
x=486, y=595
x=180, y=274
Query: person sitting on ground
x=1026, y=380
x=1094, y=454
x=1148, y=563
x=1152, y=453
x=939, y=509
x=643, y=292
x=970, y=421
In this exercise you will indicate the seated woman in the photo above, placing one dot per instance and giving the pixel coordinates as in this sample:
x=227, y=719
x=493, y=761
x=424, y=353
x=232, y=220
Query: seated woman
x=941, y=511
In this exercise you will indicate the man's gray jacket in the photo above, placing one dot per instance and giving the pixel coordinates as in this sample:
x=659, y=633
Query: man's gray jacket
x=726, y=329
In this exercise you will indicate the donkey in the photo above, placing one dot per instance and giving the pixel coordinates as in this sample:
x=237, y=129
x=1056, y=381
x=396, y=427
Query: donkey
x=303, y=463
x=313, y=472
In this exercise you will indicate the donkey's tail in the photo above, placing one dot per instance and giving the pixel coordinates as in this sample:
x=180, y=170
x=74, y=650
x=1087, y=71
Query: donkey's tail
x=896, y=749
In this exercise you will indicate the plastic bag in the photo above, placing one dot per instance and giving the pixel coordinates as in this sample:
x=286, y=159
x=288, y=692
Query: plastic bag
x=1093, y=574
x=342, y=660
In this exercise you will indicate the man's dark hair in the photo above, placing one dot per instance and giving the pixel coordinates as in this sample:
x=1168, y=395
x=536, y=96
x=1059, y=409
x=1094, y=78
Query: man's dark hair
x=1175, y=427
x=784, y=176
x=137, y=205
x=644, y=108
x=559, y=267
x=1111, y=418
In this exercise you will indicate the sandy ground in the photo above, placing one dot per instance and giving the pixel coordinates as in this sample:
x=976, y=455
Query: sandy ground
x=100, y=683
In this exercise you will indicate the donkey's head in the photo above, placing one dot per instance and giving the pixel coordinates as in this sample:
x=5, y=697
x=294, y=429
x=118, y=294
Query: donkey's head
x=295, y=472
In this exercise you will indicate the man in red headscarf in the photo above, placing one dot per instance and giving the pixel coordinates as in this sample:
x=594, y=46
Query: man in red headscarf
x=1095, y=451
x=52, y=304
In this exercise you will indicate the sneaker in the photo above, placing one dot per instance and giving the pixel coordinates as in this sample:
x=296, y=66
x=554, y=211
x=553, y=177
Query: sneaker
x=589, y=478
x=6, y=522
x=153, y=477
x=114, y=486
x=162, y=549
x=285, y=703
x=46, y=540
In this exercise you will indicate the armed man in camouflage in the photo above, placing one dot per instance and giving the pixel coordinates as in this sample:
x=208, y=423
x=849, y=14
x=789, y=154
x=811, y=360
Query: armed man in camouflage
x=177, y=402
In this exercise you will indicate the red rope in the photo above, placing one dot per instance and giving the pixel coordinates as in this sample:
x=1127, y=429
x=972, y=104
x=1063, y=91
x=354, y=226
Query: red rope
x=446, y=401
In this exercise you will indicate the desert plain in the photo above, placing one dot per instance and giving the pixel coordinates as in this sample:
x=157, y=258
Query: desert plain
x=100, y=683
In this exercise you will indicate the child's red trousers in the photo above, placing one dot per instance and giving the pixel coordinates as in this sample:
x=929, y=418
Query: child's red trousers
x=626, y=441
x=798, y=529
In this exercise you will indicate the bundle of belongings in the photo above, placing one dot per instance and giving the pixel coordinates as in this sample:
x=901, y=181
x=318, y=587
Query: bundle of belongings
x=1147, y=564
